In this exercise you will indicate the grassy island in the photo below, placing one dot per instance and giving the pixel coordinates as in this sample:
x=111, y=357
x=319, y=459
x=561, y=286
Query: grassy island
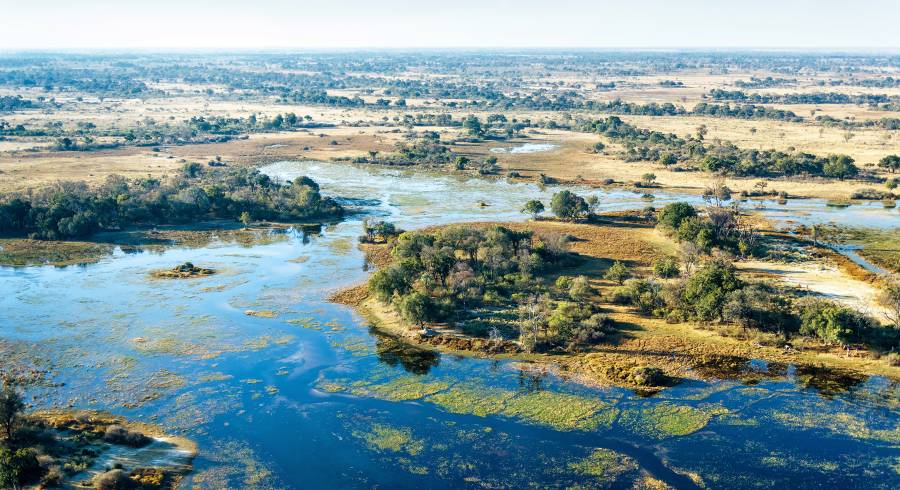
x=635, y=298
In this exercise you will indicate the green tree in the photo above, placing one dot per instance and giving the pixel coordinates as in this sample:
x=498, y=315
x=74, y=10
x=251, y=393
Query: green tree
x=245, y=218
x=890, y=163
x=706, y=291
x=839, y=167
x=18, y=466
x=617, y=272
x=473, y=126
x=833, y=323
x=667, y=159
x=415, y=308
x=388, y=282
x=533, y=207
x=568, y=205
x=671, y=216
x=11, y=406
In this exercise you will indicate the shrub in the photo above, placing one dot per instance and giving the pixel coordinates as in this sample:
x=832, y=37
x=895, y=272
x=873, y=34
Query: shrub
x=18, y=466
x=579, y=289
x=868, y=193
x=666, y=267
x=762, y=308
x=833, y=323
x=116, y=434
x=698, y=231
x=645, y=295
x=617, y=272
x=114, y=480
x=646, y=376
x=590, y=331
x=705, y=292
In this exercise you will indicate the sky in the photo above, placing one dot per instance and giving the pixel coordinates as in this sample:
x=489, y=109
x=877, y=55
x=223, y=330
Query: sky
x=372, y=24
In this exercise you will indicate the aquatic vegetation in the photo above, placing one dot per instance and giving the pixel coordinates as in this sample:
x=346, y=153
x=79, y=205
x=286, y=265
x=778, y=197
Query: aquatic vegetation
x=407, y=388
x=604, y=463
x=262, y=313
x=355, y=346
x=306, y=322
x=398, y=389
x=235, y=465
x=662, y=420
x=21, y=253
x=386, y=438
x=478, y=401
x=558, y=410
x=842, y=423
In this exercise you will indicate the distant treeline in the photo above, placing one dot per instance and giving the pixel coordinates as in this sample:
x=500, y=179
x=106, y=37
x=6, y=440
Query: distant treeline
x=107, y=81
x=9, y=103
x=815, y=98
x=887, y=82
x=739, y=111
x=670, y=149
x=197, y=129
x=889, y=123
x=75, y=209
x=756, y=82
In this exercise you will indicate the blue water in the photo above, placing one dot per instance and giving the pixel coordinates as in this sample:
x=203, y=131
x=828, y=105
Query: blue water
x=294, y=401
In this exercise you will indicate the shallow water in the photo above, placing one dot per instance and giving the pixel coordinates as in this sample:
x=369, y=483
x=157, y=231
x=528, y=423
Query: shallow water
x=312, y=399
x=526, y=148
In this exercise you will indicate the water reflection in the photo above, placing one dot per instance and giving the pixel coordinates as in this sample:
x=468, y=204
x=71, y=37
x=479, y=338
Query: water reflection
x=412, y=359
x=828, y=381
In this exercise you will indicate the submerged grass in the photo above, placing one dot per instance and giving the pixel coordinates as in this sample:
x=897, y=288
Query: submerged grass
x=841, y=423
x=558, y=410
x=663, y=420
x=472, y=400
x=383, y=437
x=605, y=464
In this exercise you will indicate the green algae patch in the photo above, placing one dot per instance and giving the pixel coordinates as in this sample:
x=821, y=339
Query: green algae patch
x=839, y=423
x=604, y=463
x=407, y=388
x=306, y=322
x=664, y=420
x=262, y=313
x=399, y=389
x=476, y=401
x=356, y=347
x=386, y=438
x=214, y=377
x=558, y=410
x=236, y=465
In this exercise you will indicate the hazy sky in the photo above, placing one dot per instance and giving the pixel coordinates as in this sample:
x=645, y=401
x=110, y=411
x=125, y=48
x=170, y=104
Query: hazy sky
x=224, y=24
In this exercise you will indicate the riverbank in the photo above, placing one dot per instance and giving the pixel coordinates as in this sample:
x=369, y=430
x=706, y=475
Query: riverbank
x=678, y=350
x=81, y=449
x=23, y=252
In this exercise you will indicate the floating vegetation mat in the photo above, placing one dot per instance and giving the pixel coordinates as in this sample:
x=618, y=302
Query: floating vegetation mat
x=386, y=438
x=560, y=411
x=605, y=464
x=662, y=420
